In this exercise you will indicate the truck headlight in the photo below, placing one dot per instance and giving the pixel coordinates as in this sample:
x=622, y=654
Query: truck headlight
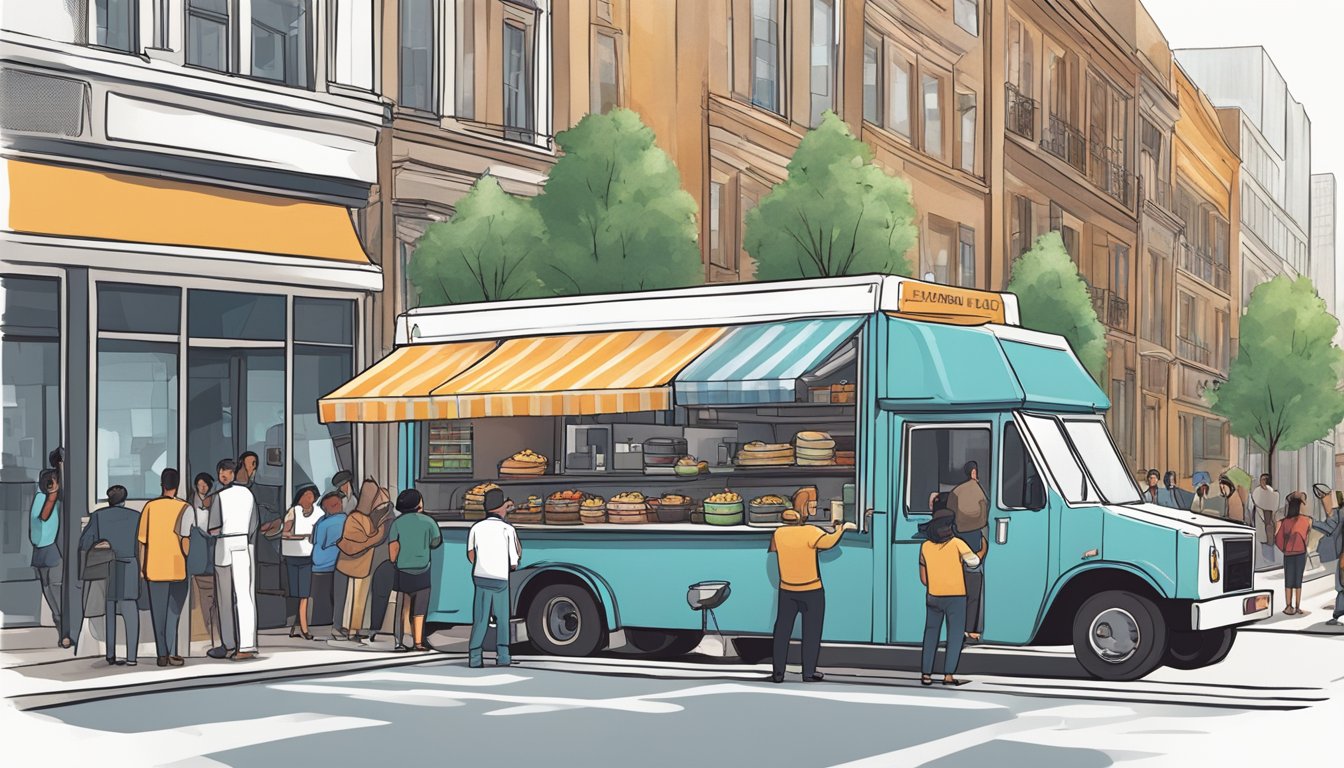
x=1214, y=575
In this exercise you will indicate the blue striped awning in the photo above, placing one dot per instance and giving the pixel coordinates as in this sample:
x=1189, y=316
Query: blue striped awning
x=762, y=363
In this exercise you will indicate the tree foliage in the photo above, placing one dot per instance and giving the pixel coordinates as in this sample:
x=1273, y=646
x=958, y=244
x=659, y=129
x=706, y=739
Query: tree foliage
x=1052, y=297
x=615, y=213
x=488, y=251
x=835, y=214
x=1281, y=390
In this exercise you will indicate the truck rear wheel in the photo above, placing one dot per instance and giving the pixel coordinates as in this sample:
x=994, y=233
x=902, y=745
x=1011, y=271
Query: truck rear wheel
x=1119, y=635
x=564, y=620
x=663, y=643
x=1193, y=650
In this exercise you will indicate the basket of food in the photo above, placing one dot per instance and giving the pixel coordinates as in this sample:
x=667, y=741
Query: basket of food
x=766, y=509
x=760, y=454
x=689, y=466
x=562, y=507
x=473, y=503
x=628, y=507
x=593, y=510
x=672, y=508
x=723, y=509
x=522, y=464
x=529, y=512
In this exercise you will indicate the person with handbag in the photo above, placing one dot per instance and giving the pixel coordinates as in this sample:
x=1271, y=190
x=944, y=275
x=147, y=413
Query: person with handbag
x=1290, y=537
x=943, y=560
x=116, y=527
x=164, y=536
x=360, y=535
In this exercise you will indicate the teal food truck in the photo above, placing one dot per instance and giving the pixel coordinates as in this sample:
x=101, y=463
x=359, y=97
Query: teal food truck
x=651, y=440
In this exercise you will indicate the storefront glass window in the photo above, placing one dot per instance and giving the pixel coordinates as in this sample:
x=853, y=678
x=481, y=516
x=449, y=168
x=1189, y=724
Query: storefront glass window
x=127, y=308
x=225, y=315
x=320, y=450
x=137, y=415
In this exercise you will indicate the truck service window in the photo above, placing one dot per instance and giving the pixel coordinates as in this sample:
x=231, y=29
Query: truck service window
x=938, y=456
x=1059, y=459
x=1108, y=471
x=1021, y=484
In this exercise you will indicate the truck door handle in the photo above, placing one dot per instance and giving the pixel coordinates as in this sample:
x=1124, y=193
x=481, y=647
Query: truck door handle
x=1001, y=530
x=1089, y=554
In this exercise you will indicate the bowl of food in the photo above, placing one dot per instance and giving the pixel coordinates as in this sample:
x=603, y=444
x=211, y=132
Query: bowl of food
x=525, y=462
x=672, y=508
x=687, y=466
x=628, y=507
x=593, y=510
x=562, y=507
x=767, y=508
x=724, y=508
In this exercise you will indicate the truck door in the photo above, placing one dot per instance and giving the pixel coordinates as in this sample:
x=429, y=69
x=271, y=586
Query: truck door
x=1017, y=565
x=934, y=458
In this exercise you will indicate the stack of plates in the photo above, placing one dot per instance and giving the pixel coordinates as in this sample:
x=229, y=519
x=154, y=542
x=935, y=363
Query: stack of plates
x=814, y=449
x=758, y=454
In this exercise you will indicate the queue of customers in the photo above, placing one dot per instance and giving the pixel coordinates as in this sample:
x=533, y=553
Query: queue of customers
x=205, y=546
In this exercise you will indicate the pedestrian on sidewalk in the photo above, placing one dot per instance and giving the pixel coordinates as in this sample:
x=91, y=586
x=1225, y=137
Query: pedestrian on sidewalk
x=943, y=560
x=164, y=536
x=234, y=523
x=1266, y=502
x=341, y=483
x=493, y=549
x=1152, y=494
x=44, y=524
x=1200, y=503
x=329, y=585
x=296, y=545
x=201, y=557
x=796, y=546
x=1234, y=507
x=361, y=533
x=413, y=535
x=1290, y=536
x=115, y=527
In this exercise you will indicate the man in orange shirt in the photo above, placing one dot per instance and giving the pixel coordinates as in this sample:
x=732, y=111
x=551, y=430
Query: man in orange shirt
x=164, y=534
x=800, y=589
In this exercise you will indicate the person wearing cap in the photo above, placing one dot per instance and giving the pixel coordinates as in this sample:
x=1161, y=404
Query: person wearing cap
x=943, y=560
x=327, y=581
x=800, y=589
x=412, y=537
x=493, y=550
x=340, y=483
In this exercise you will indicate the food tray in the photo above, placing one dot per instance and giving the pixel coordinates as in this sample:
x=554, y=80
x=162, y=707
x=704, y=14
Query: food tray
x=671, y=513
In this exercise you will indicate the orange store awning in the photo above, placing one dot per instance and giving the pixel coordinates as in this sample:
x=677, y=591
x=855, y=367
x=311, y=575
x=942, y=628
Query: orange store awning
x=62, y=201
x=398, y=387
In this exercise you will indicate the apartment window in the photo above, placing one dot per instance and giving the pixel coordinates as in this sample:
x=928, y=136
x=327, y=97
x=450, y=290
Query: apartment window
x=900, y=71
x=1061, y=72
x=822, y=59
x=1222, y=338
x=352, y=49
x=716, y=250
x=966, y=13
x=1122, y=412
x=1120, y=269
x=465, y=74
x=115, y=24
x=966, y=113
x=1021, y=58
x=606, y=88
x=1154, y=283
x=517, y=83
x=281, y=42
x=602, y=9
x=765, y=54
x=937, y=263
x=872, y=77
x=416, y=62
x=1020, y=225
x=1150, y=161
x=931, y=90
x=966, y=257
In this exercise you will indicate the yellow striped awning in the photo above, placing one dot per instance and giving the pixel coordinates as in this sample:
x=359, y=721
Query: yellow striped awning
x=399, y=387
x=619, y=372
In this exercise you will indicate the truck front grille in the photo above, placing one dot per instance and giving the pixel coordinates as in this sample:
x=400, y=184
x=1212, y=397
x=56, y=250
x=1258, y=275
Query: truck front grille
x=1238, y=565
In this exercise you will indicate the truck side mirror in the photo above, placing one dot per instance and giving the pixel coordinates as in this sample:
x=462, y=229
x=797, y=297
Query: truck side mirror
x=1034, y=493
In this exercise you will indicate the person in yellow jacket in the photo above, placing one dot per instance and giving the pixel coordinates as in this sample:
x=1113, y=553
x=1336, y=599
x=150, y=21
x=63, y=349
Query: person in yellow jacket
x=943, y=560
x=800, y=589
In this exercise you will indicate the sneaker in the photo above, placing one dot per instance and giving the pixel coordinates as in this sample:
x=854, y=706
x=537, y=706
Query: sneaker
x=176, y=661
x=399, y=648
x=131, y=662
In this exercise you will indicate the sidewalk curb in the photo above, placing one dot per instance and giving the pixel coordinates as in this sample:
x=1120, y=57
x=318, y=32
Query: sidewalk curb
x=39, y=701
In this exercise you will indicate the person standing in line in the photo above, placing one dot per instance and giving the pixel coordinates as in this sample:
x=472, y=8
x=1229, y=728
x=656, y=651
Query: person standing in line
x=327, y=580
x=971, y=508
x=233, y=522
x=164, y=536
x=201, y=556
x=796, y=545
x=296, y=545
x=116, y=527
x=359, y=536
x=1266, y=502
x=1290, y=537
x=341, y=483
x=44, y=525
x=494, y=551
x=412, y=536
x=943, y=560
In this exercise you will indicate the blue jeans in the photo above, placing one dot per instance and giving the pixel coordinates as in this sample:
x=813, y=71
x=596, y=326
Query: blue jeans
x=939, y=611
x=491, y=599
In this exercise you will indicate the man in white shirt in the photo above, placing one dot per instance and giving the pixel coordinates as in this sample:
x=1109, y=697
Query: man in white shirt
x=1266, y=501
x=233, y=520
x=493, y=550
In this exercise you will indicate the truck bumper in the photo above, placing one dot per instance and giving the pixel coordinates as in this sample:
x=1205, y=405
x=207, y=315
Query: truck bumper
x=1231, y=610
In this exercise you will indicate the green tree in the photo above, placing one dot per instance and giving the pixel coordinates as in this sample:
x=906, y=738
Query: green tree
x=615, y=212
x=488, y=251
x=1052, y=297
x=836, y=214
x=1281, y=391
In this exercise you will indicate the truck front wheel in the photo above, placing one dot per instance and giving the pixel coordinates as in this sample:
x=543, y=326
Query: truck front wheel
x=1193, y=650
x=1119, y=635
x=564, y=620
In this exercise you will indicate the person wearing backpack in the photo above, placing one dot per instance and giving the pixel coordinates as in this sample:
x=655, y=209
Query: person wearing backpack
x=1290, y=536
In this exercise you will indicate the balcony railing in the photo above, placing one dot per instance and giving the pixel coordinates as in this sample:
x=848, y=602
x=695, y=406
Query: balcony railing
x=1194, y=351
x=1065, y=142
x=1205, y=266
x=1158, y=192
x=1111, y=309
x=1107, y=172
x=1021, y=115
